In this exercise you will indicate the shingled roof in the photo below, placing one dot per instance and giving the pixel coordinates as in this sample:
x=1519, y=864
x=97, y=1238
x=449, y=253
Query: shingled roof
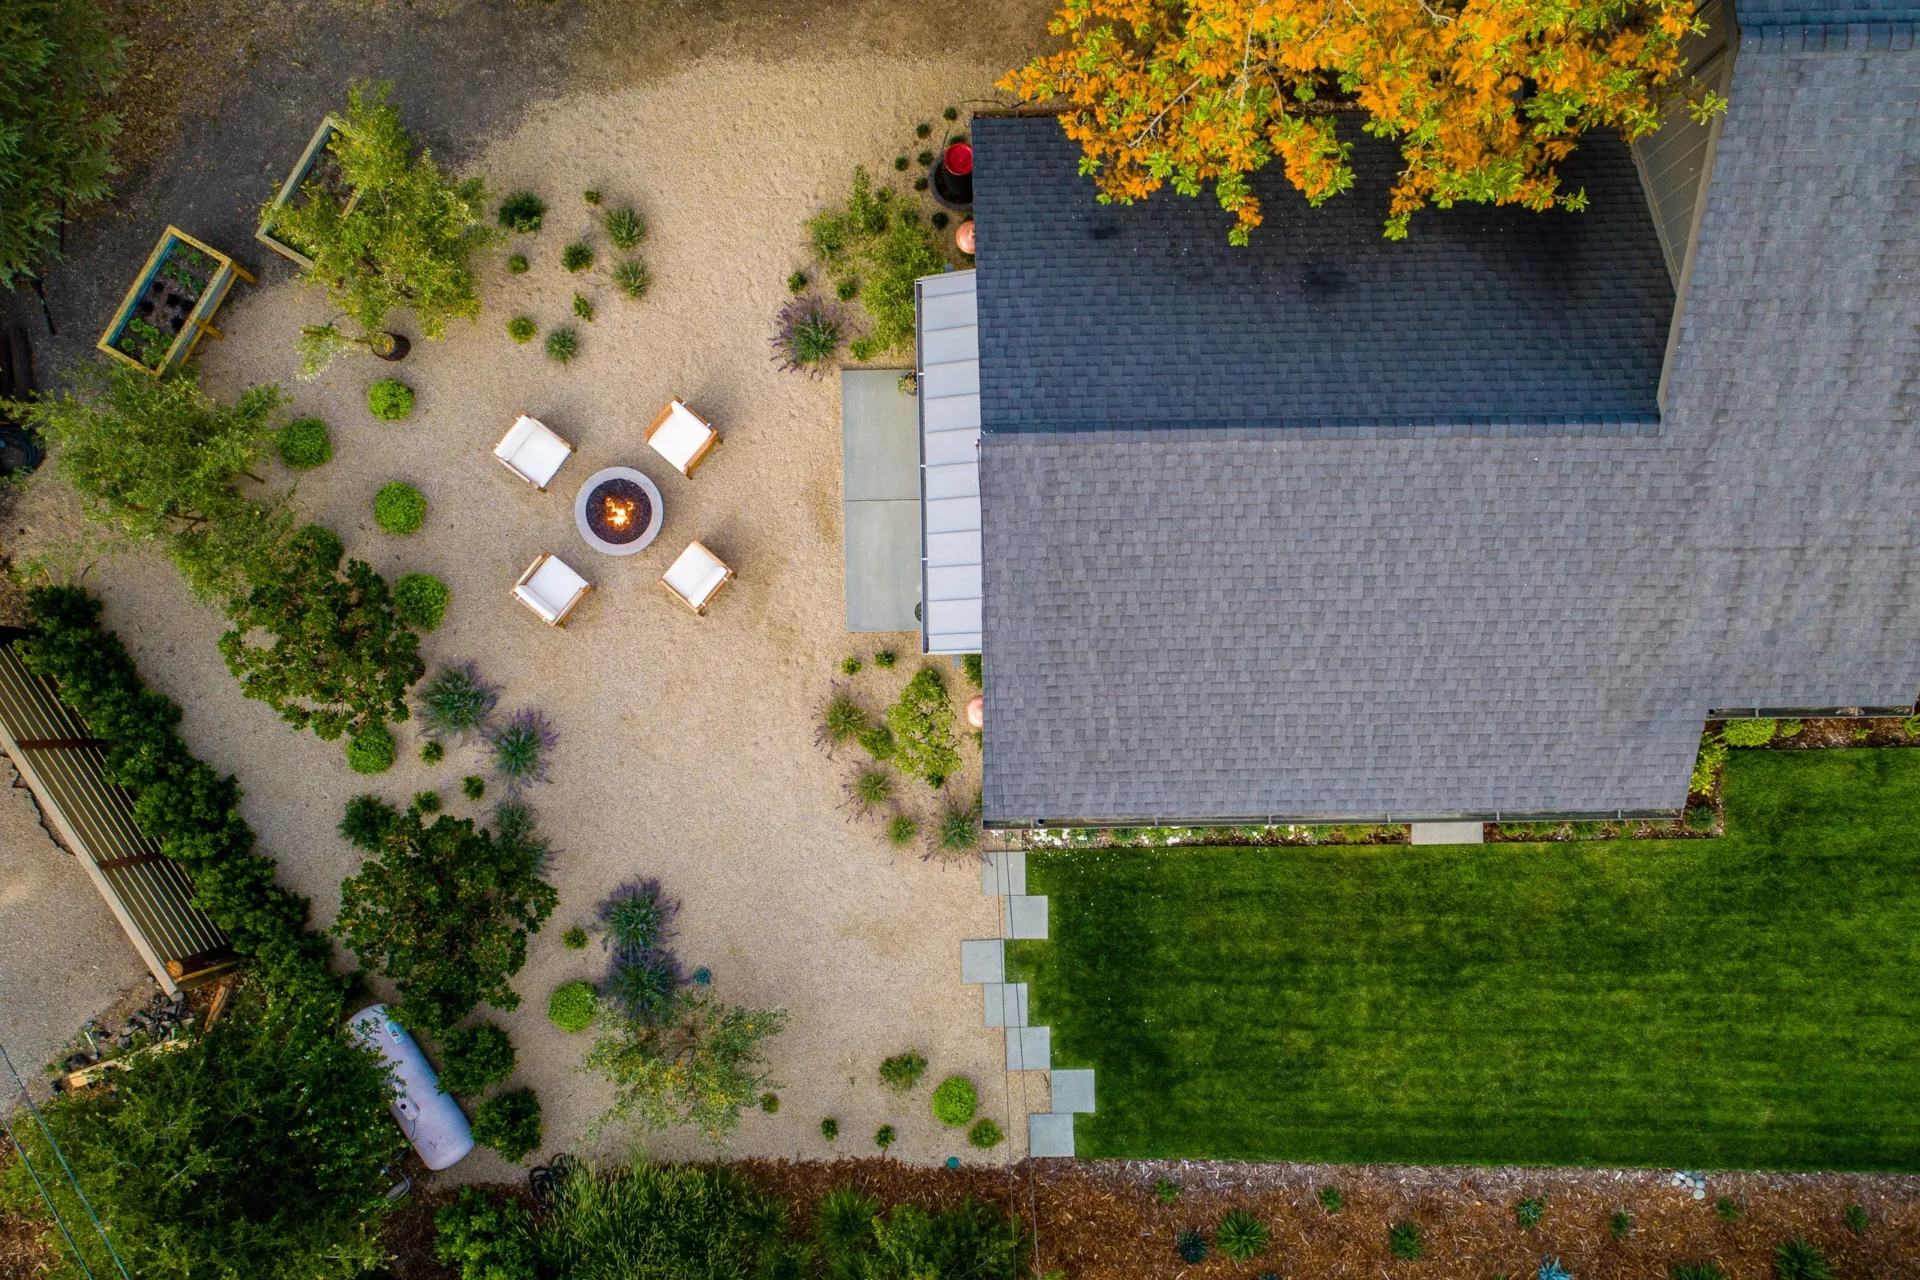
x=1194, y=612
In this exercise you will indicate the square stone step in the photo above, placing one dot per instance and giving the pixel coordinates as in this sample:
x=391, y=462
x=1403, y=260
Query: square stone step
x=1024, y=916
x=1029, y=1048
x=1050, y=1134
x=1073, y=1090
x=1006, y=1004
x=983, y=960
x=1447, y=833
x=1003, y=873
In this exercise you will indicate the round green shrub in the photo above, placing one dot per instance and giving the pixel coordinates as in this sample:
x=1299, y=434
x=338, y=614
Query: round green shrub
x=390, y=400
x=563, y=345
x=770, y=1103
x=421, y=600
x=509, y=1123
x=370, y=750
x=574, y=939
x=521, y=329
x=522, y=212
x=399, y=508
x=797, y=282
x=576, y=257
x=432, y=751
x=517, y=264
x=473, y=786
x=955, y=1101
x=829, y=1128
x=473, y=1059
x=572, y=1007
x=305, y=444
x=1749, y=733
x=985, y=1134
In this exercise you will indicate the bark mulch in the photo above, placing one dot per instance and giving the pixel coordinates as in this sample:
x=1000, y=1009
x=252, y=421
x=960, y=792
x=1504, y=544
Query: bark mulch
x=1101, y=1220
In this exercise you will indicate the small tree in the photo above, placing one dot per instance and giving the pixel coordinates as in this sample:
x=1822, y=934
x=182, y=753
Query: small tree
x=1485, y=96
x=58, y=63
x=922, y=726
x=341, y=661
x=406, y=241
x=254, y=1150
x=443, y=909
x=155, y=459
x=698, y=1063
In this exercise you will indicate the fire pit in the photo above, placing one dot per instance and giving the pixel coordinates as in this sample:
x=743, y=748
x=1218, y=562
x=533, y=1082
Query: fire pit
x=618, y=511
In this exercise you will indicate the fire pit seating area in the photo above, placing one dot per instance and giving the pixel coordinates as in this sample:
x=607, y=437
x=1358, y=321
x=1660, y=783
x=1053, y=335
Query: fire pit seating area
x=533, y=451
x=682, y=437
x=551, y=588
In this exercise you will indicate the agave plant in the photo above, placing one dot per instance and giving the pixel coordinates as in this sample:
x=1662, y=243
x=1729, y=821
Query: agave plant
x=457, y=701
x=520, y=748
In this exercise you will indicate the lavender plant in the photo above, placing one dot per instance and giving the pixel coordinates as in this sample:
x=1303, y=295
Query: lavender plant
x=520, y=749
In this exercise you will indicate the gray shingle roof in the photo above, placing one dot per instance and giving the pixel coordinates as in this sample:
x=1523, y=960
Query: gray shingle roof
x=1113, y=316
x=1285, y=623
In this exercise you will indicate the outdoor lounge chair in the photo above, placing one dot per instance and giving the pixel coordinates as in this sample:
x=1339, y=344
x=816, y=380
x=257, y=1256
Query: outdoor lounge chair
x=551, y=589
x=682, y=437
x=697, y=576
x=532, y=451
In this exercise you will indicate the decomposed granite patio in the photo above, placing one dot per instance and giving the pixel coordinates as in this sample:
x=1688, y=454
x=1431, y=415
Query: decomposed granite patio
x=685, y=743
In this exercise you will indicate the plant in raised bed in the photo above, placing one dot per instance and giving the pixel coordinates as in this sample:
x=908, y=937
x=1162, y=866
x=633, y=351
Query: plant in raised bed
x=167, y=309
x=406, y=241
x=421, y=600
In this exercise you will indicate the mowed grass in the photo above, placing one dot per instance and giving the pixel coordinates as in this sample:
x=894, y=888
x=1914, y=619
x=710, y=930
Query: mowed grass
x=1746, y=1002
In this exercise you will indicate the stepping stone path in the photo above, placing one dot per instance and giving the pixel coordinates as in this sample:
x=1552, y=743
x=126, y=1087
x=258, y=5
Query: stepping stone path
x=983, y=961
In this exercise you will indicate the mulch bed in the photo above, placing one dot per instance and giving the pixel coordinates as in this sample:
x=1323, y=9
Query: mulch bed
x=1101, y=1219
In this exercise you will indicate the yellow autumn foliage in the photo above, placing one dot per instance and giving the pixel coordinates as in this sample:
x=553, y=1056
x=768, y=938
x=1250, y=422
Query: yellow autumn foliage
x=1485, y=97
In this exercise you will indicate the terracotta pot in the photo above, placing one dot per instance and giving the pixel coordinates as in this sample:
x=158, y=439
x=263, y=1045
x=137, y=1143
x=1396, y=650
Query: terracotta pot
x=977, y=711
x=963, y=237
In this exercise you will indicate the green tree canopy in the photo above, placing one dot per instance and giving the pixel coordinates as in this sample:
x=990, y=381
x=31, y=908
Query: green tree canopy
x=58, y=62
x=254, y=1152
x=698, y=1062
x=443, y=909
x=340, y=660
x=155, y=460
x=406, y=241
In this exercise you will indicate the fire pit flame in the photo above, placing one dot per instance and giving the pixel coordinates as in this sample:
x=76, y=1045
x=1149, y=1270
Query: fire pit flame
x=619, y=512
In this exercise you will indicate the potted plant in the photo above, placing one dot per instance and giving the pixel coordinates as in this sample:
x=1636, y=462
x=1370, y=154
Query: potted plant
x=171, y=303
x=953, y=177
x=316, y=175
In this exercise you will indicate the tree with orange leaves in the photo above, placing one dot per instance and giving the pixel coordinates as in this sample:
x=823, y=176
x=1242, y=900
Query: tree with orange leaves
x=1484, y=96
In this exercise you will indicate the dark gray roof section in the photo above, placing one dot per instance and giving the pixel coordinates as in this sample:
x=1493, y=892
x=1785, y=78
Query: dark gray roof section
x=1145, y=316
x=1833, y=13
x=1303, y=626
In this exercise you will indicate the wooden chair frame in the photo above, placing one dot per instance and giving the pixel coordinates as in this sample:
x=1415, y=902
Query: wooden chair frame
x=700, y=454
x=518, y=473
x=713, y=595
x=560, y=619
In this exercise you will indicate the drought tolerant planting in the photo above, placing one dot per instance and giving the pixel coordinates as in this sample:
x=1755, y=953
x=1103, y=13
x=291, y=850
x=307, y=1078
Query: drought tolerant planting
x=1741, y=1002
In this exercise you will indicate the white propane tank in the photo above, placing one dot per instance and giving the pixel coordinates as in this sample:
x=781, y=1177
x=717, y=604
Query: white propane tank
x=432, y=1121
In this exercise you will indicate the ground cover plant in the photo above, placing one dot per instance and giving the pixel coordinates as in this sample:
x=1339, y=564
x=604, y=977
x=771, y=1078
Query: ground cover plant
x=1701, y=1004
x=877, y=243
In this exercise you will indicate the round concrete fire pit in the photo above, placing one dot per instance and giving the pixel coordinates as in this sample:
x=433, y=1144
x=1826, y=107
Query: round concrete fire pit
x=618, y=511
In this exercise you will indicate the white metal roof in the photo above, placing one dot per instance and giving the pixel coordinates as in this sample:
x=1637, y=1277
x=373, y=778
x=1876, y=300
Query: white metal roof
x=947, y=357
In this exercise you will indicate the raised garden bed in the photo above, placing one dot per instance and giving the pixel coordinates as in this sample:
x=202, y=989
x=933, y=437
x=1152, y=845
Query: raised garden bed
x=171, y=303
x=318, y=168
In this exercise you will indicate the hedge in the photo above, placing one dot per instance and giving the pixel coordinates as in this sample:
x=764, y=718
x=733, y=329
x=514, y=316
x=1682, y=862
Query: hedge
x=178, y=799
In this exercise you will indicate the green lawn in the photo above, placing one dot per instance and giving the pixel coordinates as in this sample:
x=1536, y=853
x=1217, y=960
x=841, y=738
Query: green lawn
x=1747, y=1002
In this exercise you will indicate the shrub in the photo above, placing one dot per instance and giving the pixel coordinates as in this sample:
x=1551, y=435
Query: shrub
x=484, y=1237
x=1749, y=733
x=852, y=1238
x=939, y=219
x=642, y=982
x=1791, y=728
x=808, y=334
x=770, y=1103
x=951, y=113
x=1191, y=1247
x=877, y=741
x=985, y=1134
x=371, y=750
x=304, y=444
x=522, y=329
x=882, y=241
x=870, y=788
x=444, y=910
x=959, y=829
x=900, y=164
x=591, y=196
x=399, y=508
x=842, y=718
x=473, y=786
x=255, y=1148
x=633, y=279
x=1697, y=1271
x=829, y=1128
x=574, y=939
x=850, y=666
x=863, y=348
x=797, y=282
x=901, y=829
x=432, y=751
x=1165, y=1190
x=696, y=1062
x=885, y=659
x=625, y=228
x=1621, y=1225
x=1528, y=1212
x=522, y=212
x=1700, y=818
x=883, y=1137
x=926, y=159
x=1856, y=1219
x=456, y=700
x=390, y=400
x=657, y=1223
x=1331, y=1199
x=1403, y=1241
x=847, y=289
x=577, y=257
x=1727, y=1209
x=922, y=130
x=426, y=802
x=1550, y=1269
x=922, y=724
x=902, y=1071
x=955, y=1102
x=517, y=264
x=520, y=747
x=509, y=1123
x=421, y=600
x=582, y=307
x=474, y=1059
x=563, y=345
x=573, y=1006
x=1706, y=765
x=1241, y=1236
x=1798, y=1259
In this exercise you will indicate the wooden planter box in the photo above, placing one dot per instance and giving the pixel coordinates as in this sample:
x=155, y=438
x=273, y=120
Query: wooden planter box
x=171, y=303
x=303, y=168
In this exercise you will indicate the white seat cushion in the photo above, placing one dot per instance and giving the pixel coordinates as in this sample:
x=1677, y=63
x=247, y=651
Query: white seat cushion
x=552, y=589
x=680, y=437
x=696, y=575
x=531, y=448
